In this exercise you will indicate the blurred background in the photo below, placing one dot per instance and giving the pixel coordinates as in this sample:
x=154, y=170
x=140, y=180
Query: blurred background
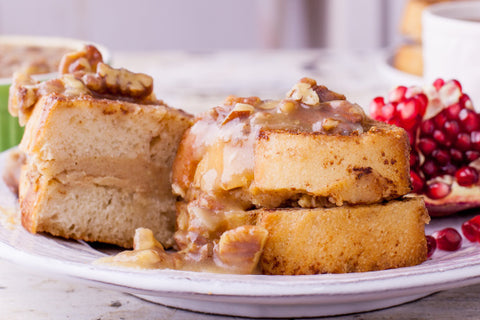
x=203, y=25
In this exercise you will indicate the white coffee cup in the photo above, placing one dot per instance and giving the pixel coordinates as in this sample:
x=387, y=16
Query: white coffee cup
x=451, y=45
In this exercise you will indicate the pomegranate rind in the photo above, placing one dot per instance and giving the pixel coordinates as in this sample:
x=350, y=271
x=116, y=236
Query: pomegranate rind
x=459, y=199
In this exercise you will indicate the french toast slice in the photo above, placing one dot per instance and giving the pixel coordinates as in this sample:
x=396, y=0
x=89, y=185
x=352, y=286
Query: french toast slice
x=103, y=169
x=344, y=239
x=99, y=150
x=289, y=153
x=93, y=209
x=364, y=168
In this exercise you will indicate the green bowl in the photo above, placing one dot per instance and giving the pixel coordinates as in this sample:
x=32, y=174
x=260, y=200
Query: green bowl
x=10, y=131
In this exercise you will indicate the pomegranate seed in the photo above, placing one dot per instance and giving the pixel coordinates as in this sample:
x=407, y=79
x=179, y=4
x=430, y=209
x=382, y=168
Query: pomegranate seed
x=376, y=107
x=408, y=112
x=456, y=155
x=441, y=138
x=438, y=190
x=452, y=129
x=449, y=169
x=471, y=229
x=469, y=120
x=475, y=140
x=427, y=127
x=466, y=176
x=431, y=245
x=472, y=155
x=440, y=120
x=463, y=141
x=388, y=111
x=452, y=111
x=441, y=156
x=438, y=83
x=427, y=145
x=414, y=159
x=448, y=239
x=417, y=182
x=397, y=94
x=422, y=100
x=457, y=83
x=429, y=168
x=465, y=101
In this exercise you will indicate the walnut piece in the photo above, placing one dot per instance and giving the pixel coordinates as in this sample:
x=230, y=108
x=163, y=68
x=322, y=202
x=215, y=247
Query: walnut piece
x=22, y=97
x=85, y=60
x=119, y=82
x=304, y=92
x=240, y=249
x=240, y=110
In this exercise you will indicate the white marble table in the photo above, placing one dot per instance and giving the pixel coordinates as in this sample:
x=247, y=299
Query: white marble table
x=197, y=81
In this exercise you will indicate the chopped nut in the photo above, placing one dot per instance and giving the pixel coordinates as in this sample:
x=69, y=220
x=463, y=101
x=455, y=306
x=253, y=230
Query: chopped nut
x=120, y=81
x=73, y=86
x=232, y=100
x=329, y=124
x=144, y=239
x=240, y=110
x=240, y=249
x=268, y=105
x=287, y=106
x=326, y=95
x=85, y=60
x=93, y=82
x=304, y=92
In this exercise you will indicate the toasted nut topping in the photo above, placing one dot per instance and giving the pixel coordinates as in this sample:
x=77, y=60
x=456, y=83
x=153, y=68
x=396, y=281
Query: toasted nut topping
x=232, y=100
x=73, y=86
x=240, y=110
x=329, y=124
x=85, y=60
x=124, y=82
x=287, y=106
x=267, y=105
x=304, y=92
x=240, y=249
x=144, y=239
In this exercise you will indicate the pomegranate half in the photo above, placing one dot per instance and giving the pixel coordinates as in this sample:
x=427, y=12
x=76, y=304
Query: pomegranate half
x=444, y=132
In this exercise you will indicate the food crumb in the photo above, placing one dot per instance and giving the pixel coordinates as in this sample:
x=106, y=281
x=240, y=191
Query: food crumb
x=115, y=304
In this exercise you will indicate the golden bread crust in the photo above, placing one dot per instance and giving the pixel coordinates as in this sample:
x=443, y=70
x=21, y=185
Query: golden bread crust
x=357, y=169
x=344, y=239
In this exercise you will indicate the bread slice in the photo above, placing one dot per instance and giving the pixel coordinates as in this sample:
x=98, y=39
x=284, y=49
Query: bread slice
x=92, y=209
x=97, y=169
x=344, y=239
x=355, y=169
x=295, y=168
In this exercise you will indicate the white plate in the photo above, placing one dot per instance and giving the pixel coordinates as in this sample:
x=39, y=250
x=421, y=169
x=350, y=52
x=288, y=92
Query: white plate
x=245, y=295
